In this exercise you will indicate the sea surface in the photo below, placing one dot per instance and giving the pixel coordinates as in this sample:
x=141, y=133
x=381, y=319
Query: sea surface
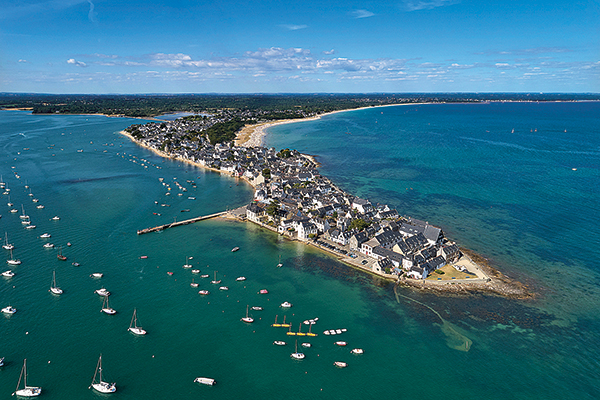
x=526, y=200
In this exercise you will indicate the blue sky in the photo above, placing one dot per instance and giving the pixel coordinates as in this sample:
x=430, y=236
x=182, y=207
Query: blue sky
x=160, y=46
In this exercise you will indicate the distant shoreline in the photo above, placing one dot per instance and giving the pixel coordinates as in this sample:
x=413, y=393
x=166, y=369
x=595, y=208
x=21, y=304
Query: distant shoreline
x=253, y=135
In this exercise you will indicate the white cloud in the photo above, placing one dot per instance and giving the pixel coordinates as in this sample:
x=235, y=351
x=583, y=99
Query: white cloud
x=23, y=61
x=92, y=14
x=77, y=63
x=330, y=52
x=293, y=27
x=361, y=14
x=415, y=5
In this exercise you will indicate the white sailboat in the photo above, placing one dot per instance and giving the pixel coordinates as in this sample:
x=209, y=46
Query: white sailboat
x=106, y=308
x=27, y=391
x=53, y=288
x=247, y=319
x=133, y=328
x=23, y=216
x=12, y=260
x=295, y=354
x=215, y=281
x=187, y=263
x=101, y=386
x=280, y=264
x=6, y=245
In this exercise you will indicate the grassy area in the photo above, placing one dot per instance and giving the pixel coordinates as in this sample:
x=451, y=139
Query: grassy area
x=449, y=273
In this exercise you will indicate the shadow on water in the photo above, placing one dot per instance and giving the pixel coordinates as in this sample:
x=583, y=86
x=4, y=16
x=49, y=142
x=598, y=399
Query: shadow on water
x=454, y=339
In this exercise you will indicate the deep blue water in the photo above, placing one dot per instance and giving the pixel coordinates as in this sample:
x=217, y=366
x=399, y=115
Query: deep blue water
x=513, y=197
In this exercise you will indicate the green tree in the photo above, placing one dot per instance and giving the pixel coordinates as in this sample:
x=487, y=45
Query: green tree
x=266, y=173
x=358, y=224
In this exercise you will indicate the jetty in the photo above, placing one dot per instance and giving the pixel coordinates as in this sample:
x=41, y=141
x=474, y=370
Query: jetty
x=179, y=223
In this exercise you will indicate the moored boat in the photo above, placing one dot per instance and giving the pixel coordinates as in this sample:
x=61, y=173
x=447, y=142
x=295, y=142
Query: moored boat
x=102, y=292
x=205, y=381
x=215, y=281
x=101, y=386
x=27, y=391
x=204, y=292
x=357, y=351
x=296, y=355
x=247, y=319
x=9, y=310
x=286, y=304
x=133, y=328
x=106, y=309
x=240, y=278
x=279, y=343
x=235, y=249
x=8, y=274
x=340, y=364
x=340, y=343
x=53, y=288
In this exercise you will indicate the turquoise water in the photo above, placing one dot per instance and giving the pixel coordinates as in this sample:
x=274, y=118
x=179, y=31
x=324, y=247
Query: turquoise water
x=103, y=194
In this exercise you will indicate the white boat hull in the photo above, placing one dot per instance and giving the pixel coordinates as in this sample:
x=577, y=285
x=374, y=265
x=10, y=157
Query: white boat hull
x=137, y=331
x=205, y=381
x=29, y=391
x=105, y=387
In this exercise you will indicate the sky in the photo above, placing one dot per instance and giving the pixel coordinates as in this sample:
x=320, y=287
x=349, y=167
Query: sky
x=226, y=46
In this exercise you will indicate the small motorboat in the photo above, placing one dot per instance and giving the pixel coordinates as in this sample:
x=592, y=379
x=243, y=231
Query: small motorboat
x=223, y=288
x=263, y=291
x=143, y=257
x=340, y=364
x=257, y=308
x=357, y=351
x=306, y=344
x=194, y=284
x=286, y=304
x=279, y=343
x=97, y=275
x=102, y=292
x=204, y=276
x=203, y=292
x=55, y=218
x=340, y=343
x=205, y=381
x=235, y=249
x=240, y=278
x=75, y=264
x=170, y=273
x=30, y=227
x=45, y=235
x=9, y=310
x=48, y=245
x=8, y=274
x=195, y=271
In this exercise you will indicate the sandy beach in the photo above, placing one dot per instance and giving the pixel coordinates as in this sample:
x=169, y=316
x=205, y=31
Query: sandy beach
x=252, y=135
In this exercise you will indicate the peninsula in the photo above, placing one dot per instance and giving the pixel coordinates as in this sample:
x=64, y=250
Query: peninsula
x=293, y=199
